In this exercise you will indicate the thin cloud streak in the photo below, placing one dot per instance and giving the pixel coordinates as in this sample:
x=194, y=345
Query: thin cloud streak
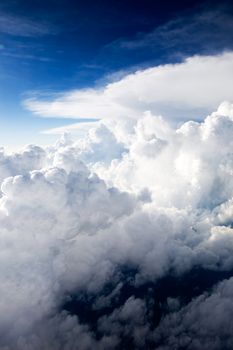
x=24, y=27
x=205, y=32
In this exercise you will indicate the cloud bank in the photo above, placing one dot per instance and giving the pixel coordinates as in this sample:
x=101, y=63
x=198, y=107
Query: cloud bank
x=122, y=239
x=182, y=91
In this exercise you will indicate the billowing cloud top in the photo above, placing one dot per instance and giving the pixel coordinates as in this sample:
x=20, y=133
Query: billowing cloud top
x=122, y=239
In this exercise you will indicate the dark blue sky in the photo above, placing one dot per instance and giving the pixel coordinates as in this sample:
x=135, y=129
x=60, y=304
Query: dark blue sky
x=57, y=45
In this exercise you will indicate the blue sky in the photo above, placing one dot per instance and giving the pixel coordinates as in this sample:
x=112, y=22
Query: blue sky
x=49, y=47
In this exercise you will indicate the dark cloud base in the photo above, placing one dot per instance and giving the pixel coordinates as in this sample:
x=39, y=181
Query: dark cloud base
x=156, y=296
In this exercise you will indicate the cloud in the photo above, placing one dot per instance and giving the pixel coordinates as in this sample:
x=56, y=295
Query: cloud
x=183, y=156
x=21, y=26
x=120, y=239
x=179, y=91
x=41, y=212
x=205, y=31
x=77, y=128
x=204, y=323
x=31, y=157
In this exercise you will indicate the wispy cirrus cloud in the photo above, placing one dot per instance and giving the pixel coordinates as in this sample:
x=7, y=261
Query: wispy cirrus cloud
x=203, y=32
x=25, y=56
x=16, y=25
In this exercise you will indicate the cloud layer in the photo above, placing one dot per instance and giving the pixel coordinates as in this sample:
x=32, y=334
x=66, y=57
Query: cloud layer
x=121, y=239
x=181, y=91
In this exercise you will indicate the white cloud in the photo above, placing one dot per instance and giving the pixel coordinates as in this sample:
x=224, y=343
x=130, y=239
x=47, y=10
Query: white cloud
x=190, y=164
x=189, y=89
x=29, y=158
x=69, y=231
x=79, y=129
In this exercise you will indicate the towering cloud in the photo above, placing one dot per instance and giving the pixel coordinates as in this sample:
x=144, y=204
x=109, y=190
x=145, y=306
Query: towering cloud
x=122, y=239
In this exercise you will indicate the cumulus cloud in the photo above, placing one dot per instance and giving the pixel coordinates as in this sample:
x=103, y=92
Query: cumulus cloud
x=205, y=323
x=120, y=239
x=181, y=91
x=30, y=158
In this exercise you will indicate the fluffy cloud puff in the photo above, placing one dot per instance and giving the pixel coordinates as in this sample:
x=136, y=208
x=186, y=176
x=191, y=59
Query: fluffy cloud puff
x=94, y=233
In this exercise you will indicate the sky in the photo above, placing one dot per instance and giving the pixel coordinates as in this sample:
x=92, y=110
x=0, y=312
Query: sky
x=116, y=215
x=52, y=48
